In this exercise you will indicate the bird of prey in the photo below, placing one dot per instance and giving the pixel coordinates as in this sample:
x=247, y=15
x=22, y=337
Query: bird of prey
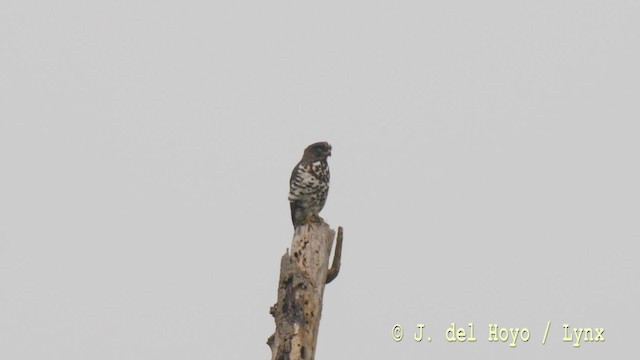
x=309, y=184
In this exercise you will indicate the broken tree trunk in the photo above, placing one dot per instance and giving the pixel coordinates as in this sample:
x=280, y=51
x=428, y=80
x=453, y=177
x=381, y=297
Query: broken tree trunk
x=303, y=274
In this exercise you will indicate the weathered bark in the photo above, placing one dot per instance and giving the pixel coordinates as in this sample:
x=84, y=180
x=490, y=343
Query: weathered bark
x=303, y=275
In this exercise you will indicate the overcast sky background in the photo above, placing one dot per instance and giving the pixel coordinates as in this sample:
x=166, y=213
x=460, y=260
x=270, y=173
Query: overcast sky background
x=485, y=169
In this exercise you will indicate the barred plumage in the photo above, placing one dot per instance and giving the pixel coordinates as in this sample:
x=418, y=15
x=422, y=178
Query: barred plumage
x=309, y=184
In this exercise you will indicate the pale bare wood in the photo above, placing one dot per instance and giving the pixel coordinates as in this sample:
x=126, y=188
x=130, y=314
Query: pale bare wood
x=303, y=275
x=337, y=256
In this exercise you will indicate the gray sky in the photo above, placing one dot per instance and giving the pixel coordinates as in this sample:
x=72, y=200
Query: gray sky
x=485, y=169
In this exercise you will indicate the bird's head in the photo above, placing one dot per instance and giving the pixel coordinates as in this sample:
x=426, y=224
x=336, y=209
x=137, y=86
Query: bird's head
x=318, y=151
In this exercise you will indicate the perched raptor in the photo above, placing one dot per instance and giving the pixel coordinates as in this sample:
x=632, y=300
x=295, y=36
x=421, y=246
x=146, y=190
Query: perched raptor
x=309, y=184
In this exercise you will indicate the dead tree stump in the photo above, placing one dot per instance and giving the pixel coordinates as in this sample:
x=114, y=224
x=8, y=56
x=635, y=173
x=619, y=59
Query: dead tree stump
x=303, y=273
